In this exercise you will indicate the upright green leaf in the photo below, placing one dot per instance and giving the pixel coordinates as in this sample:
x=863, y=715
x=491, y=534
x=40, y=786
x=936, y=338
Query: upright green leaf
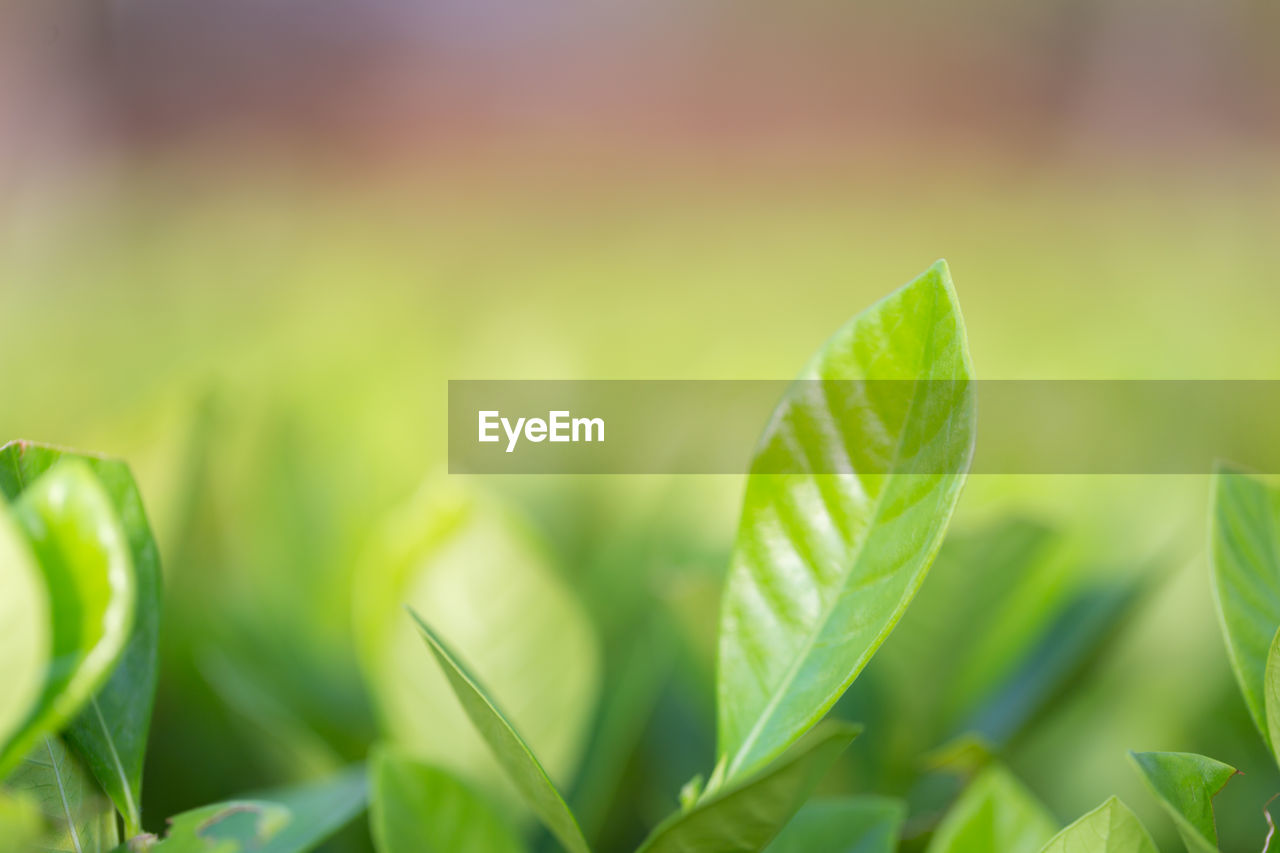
x=825, y=564
x=996, y=812
x=485, y=585
x=294, y=820
x=508, y=747
x=1245, y=562
x=25, y=641
x=1186, y=784
x=864, y=824
x=417, y=808
x=1110, y=828
x=77, y=818
x=744, y=816
x=82, y=552
x=111, y=732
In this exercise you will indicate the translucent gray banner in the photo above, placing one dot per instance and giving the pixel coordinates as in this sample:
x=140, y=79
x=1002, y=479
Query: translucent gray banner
x=867, y=426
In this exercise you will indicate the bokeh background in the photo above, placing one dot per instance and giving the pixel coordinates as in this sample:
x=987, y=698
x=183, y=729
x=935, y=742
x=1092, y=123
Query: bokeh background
x=244, y=244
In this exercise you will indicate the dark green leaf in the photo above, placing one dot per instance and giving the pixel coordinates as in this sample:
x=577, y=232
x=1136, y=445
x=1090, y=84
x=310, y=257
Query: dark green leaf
x=996, y=812
x=508, y=747
x=846, y=825
x=77, y=817
x=83, y=554
x=289, y=821
x=417, y=808
x=1110, y=828
x=825, y=564
x=744, y=816
x=1245, y=561
x=1186, y=785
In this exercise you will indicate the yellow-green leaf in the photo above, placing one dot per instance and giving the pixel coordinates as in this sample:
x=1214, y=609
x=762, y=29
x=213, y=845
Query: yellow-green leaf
x=509, y=748
x=995, y=812
x=76, y=539
x=417, y=808
x=826, y=563
x=485, y=585
x=1110, y=828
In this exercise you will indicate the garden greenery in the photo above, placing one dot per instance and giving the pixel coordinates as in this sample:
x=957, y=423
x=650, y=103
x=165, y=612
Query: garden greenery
x=483, y=727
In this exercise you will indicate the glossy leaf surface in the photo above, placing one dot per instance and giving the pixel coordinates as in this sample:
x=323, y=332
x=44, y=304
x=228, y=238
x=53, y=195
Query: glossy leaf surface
x=843, y=825
x=510, y=749
x=825, y=564
x=82, y=552
x=290, y=821
x=1110, y=828
x=25, y=640
x=417, y=808
x=485, y=585
x=996, y=812
x=746, y=815
x=1186, y=784
x=110, y=733
x=77, y=817
x=1245, y=561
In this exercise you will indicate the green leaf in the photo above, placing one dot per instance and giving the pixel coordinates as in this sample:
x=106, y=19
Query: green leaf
x=1272, y=687
x=294, y=820
x=76, y=816
x=745, y=815
x=20, y=822
x=25, y=641
x=111, y=732
x=484, y=583
x=1186, y=784
x=996, y=812
x=82, y=551
x=825, y=564
x=417, y=808
x=845, y=825
x=1245, y=562
x=1110, y=828
x=508, y=747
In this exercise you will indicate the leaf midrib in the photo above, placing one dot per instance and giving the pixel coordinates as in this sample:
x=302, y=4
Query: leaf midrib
x=794, y=670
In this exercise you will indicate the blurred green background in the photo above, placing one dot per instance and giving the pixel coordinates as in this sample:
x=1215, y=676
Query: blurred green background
x=245, y=245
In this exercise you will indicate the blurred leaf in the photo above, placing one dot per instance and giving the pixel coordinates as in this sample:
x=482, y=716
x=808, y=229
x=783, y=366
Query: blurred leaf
x=631, y=692
x=1067, y=640
x=845, y=825
x=298, y=748
x=77, y=816
x=1186, y=784
x=1110, y=828
x=1246, y=571
x=478, y=577
x=996, y=812
x=825, y=565
x=1272, y=687
x=78, y=543
x=25, y=641
x=111, y=732
x=20, y=822
x=508, y=747
x=294, y=820
x=417, y=808
x=747, y=814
